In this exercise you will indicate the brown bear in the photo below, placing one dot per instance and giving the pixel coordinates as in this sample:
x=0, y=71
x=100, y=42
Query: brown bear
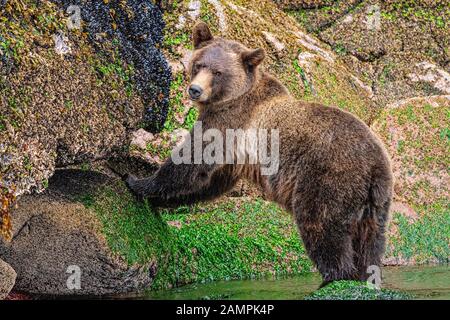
x=333, y=173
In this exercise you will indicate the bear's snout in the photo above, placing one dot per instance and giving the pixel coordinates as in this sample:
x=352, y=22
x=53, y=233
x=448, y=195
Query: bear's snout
x=195, y=92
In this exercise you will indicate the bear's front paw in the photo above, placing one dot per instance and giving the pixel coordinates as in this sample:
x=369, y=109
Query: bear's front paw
x=131, y=182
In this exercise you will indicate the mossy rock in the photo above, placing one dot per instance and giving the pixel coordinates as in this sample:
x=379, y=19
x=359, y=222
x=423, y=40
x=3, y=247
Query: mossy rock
x=354, y=290
x=234, y=238
x=416, y=134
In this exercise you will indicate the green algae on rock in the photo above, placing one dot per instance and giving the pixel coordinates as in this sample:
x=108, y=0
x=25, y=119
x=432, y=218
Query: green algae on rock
x=355, y=290
x=121, y=245
x=231, y=239
x=416, y=133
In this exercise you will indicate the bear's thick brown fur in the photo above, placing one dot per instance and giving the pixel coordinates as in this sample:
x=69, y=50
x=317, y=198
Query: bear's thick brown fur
x=334, y=174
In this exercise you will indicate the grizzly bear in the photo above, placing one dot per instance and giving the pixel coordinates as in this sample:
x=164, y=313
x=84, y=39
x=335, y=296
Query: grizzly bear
x=333, y=174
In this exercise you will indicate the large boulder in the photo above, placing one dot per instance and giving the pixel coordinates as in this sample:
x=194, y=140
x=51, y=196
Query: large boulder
x=7, y=279
x=73, y=92
x=58, y=245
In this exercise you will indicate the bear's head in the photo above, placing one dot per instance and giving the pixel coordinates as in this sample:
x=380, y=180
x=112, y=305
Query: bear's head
x=221, y=70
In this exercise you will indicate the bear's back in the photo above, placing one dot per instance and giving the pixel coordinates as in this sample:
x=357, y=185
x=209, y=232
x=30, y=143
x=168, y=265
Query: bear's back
x=321, y=137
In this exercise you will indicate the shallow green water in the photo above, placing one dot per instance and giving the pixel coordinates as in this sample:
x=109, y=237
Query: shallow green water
x=424, y=282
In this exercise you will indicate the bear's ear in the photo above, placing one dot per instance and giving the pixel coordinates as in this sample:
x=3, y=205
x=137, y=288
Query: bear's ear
x=253, y=58
x=201, y=33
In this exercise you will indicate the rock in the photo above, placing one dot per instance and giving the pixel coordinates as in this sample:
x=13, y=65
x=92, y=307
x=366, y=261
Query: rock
x=395, y=50
x=61, y=46
x=178, y=136
x=404, y=209
x=176, y=67
x=219, y=8
x=7, y=279
x=314, y=46
x=194, y=9
x=81, y=102
x=278, y=46
x=186, y=58
x=429, y=72
x=58, y=246
x=305, y=4
x=154, y=149
x=415, y=132
x=175, y=224
x=316, y=16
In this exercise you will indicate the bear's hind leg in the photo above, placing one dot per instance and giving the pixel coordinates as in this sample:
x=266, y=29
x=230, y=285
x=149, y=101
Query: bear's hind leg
x=328, y=244
x=369, y=240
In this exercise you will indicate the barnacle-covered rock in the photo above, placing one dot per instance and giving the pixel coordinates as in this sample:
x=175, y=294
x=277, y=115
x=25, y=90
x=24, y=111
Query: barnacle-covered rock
x=76, y=77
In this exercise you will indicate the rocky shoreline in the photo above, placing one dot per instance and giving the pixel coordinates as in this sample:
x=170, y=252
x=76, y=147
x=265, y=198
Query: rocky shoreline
x=97, y=114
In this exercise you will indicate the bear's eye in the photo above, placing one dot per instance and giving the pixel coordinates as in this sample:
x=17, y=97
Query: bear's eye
x=197, y=67
x=217, y=73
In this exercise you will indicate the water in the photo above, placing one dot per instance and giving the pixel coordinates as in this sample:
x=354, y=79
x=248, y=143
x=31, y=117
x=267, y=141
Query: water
x=424, y=282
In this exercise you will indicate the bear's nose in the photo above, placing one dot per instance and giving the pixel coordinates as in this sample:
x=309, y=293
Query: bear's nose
x=195, y=92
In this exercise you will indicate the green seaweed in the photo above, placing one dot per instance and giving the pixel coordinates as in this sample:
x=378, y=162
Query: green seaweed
x=205, y=242
x=355, y=290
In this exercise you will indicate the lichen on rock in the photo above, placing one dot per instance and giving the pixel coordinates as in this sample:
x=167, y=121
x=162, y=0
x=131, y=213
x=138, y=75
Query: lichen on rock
x=399, y=48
